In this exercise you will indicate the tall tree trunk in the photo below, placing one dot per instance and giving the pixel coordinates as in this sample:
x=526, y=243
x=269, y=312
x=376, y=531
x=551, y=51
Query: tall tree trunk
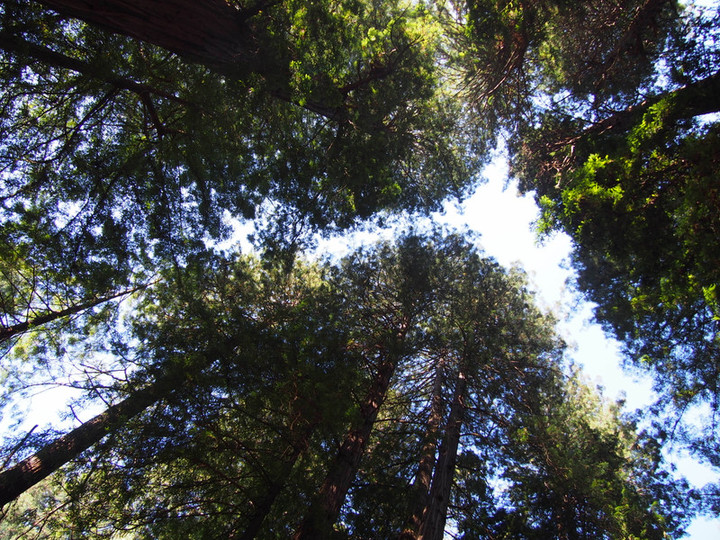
x=22, y=476
x=6, y=332
x=435, y=515
x=325, y=508
x=423, y=475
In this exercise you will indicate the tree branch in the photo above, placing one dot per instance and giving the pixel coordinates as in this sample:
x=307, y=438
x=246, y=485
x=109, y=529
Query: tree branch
x=16, y=45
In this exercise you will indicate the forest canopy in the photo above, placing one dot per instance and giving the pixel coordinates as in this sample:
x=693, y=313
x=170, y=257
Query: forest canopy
x=411, y=388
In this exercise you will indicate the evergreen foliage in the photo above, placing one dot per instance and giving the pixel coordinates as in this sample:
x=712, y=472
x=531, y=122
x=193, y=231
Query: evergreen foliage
x=411, y=388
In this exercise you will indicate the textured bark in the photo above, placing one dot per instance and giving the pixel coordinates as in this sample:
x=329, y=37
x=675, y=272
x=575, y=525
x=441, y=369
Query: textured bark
x=435, y=515
x=325, y=508
x=21, y=477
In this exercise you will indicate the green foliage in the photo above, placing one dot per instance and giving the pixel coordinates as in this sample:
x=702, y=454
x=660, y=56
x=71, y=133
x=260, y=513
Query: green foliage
x=643, y=227
x=582, y=469
x=122, y=162
x=120, y=159
x=515, y=57
x=254, y=365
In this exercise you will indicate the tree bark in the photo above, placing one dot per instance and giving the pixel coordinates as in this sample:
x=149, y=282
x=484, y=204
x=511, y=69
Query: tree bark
x=210, y=32
x=17, y=479
x=423, y=475
x=325, y=508
x=435, y=515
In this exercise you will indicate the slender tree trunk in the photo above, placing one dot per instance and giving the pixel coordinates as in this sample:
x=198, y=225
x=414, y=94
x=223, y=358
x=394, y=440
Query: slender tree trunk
x=325, y=508
x=6, y=332
x=423, y=475
x=435, y=515
x=21, y=477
